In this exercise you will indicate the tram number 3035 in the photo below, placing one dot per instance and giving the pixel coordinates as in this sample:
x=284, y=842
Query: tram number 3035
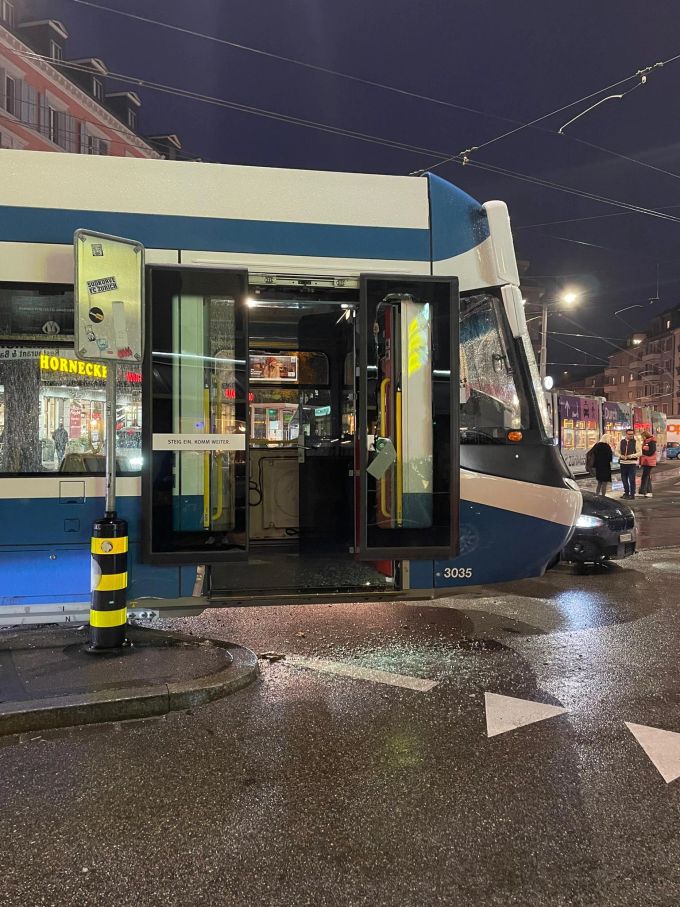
x=457, y=572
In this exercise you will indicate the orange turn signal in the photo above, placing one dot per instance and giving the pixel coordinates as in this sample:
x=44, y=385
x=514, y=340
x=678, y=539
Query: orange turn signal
x=514, y=436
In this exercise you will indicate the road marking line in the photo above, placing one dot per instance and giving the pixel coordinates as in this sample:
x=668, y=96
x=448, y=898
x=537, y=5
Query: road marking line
x=506, y=713
x=355, y=672
x=662, y=747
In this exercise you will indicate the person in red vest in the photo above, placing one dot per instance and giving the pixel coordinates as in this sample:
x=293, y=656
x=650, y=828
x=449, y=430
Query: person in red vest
x=648, y=462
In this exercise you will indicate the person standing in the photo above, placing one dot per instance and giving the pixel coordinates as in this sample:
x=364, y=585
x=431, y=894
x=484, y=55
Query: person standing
x=602, y=463
x=648, y=462
x=60, y=438
x=628, y=458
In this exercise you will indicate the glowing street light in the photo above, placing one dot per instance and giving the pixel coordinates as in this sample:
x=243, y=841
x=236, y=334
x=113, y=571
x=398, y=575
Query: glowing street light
x=568, y=297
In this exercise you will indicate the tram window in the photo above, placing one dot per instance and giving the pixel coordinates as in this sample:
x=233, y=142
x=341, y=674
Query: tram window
x=52, y=413
x=36, y=312
x=492, y=402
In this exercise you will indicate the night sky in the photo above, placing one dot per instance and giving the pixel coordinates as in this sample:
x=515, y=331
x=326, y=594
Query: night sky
x=511, y=61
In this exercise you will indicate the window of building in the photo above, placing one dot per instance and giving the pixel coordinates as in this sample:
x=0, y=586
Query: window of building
x=630, y=395
x=52, y=124
x=98, y=89
x=56, y=51
x=632, y=377
x=622, y=379
x=10, y=95
x=103, y=147
x=132, y=119
x=668, y=324
x=7, y=13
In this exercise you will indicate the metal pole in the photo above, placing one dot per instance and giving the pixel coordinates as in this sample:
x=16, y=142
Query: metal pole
x=544, y=341
x=109, y=548
x=111, y=441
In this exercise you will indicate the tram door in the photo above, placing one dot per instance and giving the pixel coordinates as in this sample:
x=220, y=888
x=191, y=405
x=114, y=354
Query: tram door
x=408, y=418
x=299, y=436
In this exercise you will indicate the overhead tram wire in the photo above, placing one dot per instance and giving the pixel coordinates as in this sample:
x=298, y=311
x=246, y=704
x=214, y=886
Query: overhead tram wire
x=578, y=220
x=187, y=94
x=392, y=88
x=463, y=156
x=640, y=74
x=295, y=62
x=584, y=353
x=128, y=134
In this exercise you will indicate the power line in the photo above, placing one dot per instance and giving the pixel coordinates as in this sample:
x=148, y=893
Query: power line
x=187, y=94
x=519, y=126
x=347, y=133
x=640, y=74
x=578, y=220
x=584, y=353
x=582, y=193
x=293, y=61
x=590, y=336
x=142, y=144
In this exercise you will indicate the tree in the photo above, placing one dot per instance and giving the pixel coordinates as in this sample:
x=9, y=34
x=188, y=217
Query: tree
x=21, y=435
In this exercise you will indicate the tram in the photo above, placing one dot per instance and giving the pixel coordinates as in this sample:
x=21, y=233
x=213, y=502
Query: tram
x=338, y=401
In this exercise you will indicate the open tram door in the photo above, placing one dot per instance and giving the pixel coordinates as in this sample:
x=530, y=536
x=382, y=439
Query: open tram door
x=407, y=435
x=195, y=393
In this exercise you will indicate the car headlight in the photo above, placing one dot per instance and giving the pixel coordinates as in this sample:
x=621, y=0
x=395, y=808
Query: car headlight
x=585, y=521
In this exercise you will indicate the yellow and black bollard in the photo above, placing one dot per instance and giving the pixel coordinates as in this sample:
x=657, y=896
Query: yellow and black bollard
x=108, y=612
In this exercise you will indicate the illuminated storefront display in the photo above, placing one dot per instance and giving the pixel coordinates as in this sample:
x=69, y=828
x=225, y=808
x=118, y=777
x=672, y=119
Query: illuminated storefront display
x=579, y=428
x=69, y=397
x=616, y=419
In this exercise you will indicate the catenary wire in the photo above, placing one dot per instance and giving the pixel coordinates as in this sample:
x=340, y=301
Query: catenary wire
x=386, y=87
x=545, y=116
x=294, y=62
x=361, y=136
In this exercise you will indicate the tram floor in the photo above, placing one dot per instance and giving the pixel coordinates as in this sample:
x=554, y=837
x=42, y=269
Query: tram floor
x=281, y=568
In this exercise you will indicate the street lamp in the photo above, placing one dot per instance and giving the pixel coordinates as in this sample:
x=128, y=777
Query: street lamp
x=568, y=297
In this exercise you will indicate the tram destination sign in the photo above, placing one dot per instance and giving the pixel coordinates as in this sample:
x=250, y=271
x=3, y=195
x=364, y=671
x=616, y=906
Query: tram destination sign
x=109, y=297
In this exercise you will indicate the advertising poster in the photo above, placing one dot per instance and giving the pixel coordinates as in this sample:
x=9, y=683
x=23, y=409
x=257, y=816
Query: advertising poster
x=75, y=421
x=264, y=367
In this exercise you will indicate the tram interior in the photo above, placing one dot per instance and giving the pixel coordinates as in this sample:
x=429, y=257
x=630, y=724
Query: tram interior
x=301, y=487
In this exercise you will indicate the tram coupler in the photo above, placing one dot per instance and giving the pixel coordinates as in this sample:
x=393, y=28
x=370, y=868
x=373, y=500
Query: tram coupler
x=108, y=609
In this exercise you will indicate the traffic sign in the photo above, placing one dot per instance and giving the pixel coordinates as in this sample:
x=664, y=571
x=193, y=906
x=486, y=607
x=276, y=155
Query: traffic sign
x=109, y=297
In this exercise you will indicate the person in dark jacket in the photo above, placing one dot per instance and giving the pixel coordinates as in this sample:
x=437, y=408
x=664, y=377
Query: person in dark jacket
x=629, y=456
x=602, y=463
x=648, y=462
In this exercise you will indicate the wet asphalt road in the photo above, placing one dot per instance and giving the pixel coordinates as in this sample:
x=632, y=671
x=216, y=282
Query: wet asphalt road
x=322, y=790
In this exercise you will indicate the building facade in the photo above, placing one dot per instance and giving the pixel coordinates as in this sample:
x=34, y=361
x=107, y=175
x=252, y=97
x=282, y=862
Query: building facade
x=648, y=371
x=50, y=104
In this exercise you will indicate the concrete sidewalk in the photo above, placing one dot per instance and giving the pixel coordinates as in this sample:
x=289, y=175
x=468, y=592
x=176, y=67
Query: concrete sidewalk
x=48, y=680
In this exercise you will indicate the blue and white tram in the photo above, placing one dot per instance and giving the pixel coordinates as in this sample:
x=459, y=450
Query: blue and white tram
x=342, y=358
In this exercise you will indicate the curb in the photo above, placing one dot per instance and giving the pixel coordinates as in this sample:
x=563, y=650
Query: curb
x=125, y=704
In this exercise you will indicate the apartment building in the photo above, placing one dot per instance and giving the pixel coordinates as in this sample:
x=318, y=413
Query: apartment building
x=49, y=103
x=647, y=372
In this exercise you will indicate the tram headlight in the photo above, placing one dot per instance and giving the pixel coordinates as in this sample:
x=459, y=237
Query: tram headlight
x=585, y=521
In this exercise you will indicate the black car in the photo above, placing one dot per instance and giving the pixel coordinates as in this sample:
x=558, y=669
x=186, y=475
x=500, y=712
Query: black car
x=605, y=531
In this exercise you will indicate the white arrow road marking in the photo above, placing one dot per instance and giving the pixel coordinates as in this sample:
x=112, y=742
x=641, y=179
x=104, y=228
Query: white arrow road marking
x=505, y=713
x=356, y=673
x=662, y=747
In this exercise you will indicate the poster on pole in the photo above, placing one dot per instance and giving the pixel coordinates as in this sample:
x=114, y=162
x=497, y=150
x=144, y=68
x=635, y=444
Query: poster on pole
x=109, y=297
